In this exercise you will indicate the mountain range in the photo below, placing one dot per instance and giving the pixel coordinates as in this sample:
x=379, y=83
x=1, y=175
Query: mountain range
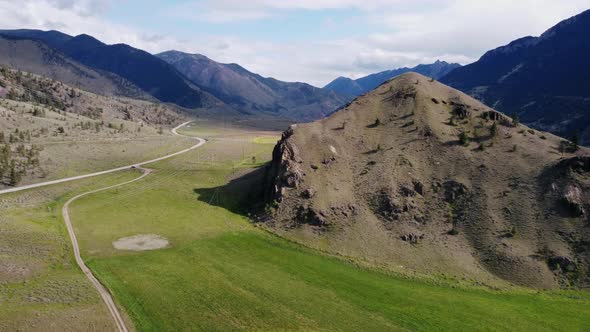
x=34, y=56
x=190, y=81
x=148, y=73
x=544, y=79
x=249, y=91
x=353, y=88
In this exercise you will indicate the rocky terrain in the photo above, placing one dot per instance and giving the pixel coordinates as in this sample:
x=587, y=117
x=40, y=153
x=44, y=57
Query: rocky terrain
x=417, y=176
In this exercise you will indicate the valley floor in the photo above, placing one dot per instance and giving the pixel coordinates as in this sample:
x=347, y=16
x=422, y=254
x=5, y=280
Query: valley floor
x=220, y=272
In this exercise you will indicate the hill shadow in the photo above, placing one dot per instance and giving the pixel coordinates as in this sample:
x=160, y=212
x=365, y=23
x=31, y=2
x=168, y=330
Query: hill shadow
x=240, y=195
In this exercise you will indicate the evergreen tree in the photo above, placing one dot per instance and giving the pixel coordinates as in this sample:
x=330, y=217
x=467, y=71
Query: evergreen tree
x=575, y=141
x=494, y=129
x=515, y=119
x=14, y=175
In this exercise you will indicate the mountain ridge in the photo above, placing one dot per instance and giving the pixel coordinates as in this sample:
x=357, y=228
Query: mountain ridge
x=356, y=87
x=33, y=55
x=149, y=73
x=242, y=88
x=543, y=79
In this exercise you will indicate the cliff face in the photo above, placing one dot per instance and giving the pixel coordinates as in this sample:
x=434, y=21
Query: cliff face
x=420, y=177
x=284, y=171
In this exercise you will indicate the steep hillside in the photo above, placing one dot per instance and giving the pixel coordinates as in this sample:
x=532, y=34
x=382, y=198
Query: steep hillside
x=151, y=74
x=253, y=93
x=36, y=57
x=352, y=88
x=417, y=176
x=49, y=129
x=544, y=79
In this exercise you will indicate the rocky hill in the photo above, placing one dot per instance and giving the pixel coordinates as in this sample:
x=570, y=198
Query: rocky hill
x=417, y=176
x=544, y=79
x=253, y=93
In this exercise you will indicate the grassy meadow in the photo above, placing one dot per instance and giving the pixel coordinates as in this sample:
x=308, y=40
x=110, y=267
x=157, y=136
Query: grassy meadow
x=223, y=273
x=41, y=287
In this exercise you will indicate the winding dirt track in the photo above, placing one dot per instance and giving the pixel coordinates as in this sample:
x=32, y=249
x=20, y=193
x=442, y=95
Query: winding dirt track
x=79, y=177
x=104, y=293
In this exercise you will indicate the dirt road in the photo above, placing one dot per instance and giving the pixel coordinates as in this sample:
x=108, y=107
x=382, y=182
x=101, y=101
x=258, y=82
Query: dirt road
x=79, y=177
x=104, y=293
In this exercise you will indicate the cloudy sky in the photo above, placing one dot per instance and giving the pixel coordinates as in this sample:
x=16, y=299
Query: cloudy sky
x=301, y=40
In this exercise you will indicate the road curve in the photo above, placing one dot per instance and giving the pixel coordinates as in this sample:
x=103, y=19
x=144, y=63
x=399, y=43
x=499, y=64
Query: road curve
x=104, y=293
x=79, y=177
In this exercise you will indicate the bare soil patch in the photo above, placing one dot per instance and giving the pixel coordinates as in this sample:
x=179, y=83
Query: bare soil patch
x=141, y=242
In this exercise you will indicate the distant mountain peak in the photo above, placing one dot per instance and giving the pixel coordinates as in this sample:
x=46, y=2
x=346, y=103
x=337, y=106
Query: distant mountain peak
x=355, y=87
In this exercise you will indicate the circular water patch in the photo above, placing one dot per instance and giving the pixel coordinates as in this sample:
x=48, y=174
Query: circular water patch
x=141, y=242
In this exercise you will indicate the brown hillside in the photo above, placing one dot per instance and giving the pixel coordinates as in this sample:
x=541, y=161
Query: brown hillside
x=388, y=180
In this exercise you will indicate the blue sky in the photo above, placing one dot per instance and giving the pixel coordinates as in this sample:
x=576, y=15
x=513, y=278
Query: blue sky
x=313, y=41
x=299, y=24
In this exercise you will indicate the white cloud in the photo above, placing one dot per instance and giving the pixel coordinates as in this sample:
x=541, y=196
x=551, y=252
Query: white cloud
x=406, y=32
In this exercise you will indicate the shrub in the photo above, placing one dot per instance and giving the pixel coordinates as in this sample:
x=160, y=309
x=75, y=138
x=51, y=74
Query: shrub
x=463, y=138
x=514, y=231
x=476, y=133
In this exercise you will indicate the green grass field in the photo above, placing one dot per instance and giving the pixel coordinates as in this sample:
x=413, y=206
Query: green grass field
x=222, y=273
x=41, y=288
